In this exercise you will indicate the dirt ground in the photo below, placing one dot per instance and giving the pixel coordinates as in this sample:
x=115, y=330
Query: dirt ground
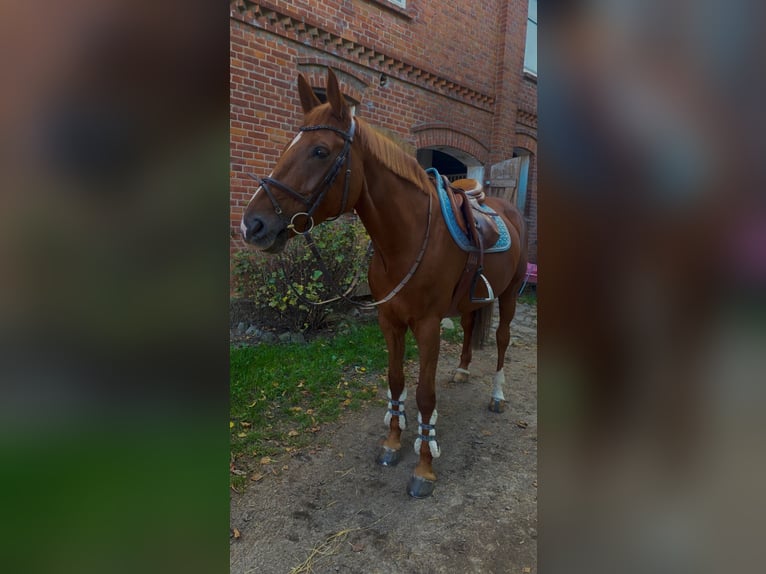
x=331, y=508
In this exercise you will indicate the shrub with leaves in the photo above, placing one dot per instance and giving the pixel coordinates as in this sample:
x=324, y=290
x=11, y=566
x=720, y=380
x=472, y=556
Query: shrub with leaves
x=282, y=284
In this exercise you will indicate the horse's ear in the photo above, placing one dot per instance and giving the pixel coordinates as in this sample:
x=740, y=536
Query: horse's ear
x=334, y=96
x=309, y=99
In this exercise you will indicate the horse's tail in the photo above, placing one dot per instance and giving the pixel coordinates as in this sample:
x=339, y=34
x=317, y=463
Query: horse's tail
x=482, y=321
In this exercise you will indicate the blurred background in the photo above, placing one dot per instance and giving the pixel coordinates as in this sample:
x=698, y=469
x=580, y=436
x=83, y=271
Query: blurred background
x=114, y=286
x=652, y=274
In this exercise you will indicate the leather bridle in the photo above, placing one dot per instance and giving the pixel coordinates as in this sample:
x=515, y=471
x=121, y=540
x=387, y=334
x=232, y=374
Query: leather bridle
x=313, y=200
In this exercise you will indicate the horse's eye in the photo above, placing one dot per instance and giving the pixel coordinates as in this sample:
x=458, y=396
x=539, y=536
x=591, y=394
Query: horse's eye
x=320, y=152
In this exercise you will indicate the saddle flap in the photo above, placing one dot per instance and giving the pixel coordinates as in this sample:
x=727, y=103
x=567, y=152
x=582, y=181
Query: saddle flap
x=484, y=231
x=486, y=227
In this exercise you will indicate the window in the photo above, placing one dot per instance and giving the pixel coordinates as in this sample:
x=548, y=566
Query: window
x=530, y=52
x=400, y=3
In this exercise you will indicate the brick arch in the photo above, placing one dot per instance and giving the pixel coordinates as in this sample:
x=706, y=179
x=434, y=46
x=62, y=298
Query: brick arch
x=352, y=83
x=527, y=142
x=433, y=135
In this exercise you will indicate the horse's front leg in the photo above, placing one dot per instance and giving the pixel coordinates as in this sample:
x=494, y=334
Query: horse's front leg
x=423, y=478
x=393, y=332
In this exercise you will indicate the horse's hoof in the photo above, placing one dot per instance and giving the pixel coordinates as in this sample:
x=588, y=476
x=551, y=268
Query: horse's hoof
x=497, y=405
x=420, y=487
x=461, y=376
x=389, y=456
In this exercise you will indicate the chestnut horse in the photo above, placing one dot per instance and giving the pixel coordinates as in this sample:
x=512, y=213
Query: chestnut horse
x=337, y=163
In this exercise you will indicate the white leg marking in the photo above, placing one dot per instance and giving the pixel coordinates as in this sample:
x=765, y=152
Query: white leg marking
x=497, y=389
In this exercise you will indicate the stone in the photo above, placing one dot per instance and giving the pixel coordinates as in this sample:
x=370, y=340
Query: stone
x=448, y=324
x=240, y=328
x=252, y=330
x=268, y=337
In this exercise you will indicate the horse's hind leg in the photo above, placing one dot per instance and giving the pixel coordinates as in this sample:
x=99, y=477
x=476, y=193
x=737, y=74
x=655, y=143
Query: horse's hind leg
x=461, y=373
x=394, y=333
x=503, y=337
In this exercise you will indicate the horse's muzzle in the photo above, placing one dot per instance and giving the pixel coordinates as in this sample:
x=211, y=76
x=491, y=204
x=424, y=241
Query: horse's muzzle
x=264, y=234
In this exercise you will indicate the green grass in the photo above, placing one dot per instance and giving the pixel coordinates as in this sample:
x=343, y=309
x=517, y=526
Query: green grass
x=282, y=393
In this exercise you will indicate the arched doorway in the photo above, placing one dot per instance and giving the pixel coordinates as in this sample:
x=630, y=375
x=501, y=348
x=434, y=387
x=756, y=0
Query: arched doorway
x=451, y=162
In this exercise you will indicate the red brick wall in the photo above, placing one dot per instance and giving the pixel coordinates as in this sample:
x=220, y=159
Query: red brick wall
x=462, y=93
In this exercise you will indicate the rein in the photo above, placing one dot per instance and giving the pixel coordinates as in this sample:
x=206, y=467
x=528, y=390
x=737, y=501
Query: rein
x=313, y=201
x=345, y=296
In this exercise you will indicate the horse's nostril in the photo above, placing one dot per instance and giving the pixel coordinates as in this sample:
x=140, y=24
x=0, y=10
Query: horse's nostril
x=251, y=227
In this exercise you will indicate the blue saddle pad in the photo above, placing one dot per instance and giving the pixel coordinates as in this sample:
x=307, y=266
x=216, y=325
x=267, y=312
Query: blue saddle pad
x=463, y=241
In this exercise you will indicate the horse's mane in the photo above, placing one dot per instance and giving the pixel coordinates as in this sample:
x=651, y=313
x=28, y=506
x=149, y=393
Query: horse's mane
x=392, y=156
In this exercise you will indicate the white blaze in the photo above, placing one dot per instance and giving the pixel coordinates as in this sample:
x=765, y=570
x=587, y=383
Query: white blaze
x=296, y=139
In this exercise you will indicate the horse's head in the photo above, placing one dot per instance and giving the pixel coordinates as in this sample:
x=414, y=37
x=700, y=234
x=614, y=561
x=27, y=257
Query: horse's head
x=316, y=178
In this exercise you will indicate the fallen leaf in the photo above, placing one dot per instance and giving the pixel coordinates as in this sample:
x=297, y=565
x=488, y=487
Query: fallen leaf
x=246, y=424
x=534, y=484
x=293, y=433
x=241, y=434
x=236, y=533
x=314, y=429
x=522, y=424
x=526, y=570
x=266, y=460
x=486, y=433
x=357, y=547
x=231, y=424
x=256, y=477
x=238, y=472
x=309, y=411
x=285, y=467
x=346, y=402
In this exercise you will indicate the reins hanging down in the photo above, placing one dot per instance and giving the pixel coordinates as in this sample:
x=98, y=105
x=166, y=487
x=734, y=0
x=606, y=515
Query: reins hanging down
x=345, y=296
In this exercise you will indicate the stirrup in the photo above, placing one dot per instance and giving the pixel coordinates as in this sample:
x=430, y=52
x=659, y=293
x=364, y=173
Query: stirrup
x=490, y=293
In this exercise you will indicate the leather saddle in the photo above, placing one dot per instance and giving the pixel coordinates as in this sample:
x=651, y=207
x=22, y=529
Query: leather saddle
x=465, y=197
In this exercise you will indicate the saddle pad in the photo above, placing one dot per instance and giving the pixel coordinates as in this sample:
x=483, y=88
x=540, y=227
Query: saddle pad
x=462, y=240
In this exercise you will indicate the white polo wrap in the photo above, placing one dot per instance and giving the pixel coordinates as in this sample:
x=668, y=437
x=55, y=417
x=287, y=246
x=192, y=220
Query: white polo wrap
x=431, y=432
x=391, y=404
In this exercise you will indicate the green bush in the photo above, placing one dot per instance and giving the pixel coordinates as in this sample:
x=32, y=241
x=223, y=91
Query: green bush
x=281, y=284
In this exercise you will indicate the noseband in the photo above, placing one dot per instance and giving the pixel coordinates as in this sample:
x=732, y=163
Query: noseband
x=313, y=200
